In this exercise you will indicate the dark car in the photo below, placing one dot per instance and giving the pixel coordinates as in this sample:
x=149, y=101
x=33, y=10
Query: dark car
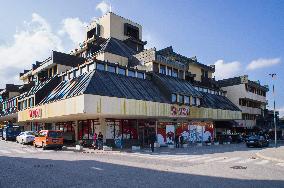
x=257, y=141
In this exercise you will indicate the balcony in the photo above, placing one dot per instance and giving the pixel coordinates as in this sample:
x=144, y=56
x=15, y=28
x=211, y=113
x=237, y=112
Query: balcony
x=250, y=110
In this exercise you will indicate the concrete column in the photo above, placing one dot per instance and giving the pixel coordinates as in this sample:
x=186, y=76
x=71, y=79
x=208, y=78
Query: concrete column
x=103, y=127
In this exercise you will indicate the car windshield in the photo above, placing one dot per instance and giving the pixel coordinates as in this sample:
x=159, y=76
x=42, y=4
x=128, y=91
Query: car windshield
x=30, y=133
x=55, y=134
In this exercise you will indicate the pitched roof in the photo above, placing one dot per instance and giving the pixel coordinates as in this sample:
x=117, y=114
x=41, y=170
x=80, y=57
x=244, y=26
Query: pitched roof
x=175, y=85
x=115, y=46
x=217, y=102
x=107, y=84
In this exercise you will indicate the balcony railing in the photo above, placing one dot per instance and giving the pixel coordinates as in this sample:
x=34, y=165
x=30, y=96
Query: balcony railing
x=169, y=62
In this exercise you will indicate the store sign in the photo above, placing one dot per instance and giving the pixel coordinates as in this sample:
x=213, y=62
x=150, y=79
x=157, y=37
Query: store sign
x=35, y=113
x=179, y=111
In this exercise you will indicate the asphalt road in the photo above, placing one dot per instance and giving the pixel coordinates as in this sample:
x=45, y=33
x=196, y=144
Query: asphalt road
x=212, y=166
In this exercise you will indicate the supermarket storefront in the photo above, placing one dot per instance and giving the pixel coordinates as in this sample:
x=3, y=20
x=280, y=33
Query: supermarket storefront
x=124, y=122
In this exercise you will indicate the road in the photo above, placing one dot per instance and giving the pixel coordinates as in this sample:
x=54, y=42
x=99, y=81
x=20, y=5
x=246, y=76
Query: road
x=212, y=166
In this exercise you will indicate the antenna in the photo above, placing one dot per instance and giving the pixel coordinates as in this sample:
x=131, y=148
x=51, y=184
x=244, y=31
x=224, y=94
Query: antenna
x=109, y=7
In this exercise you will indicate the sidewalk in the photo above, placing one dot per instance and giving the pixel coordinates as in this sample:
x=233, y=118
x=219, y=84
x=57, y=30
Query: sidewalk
x=272, y=154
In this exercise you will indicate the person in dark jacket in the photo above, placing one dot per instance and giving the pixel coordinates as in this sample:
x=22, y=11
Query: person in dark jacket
x=177, y=141
x=100, y=141
x=152, y=141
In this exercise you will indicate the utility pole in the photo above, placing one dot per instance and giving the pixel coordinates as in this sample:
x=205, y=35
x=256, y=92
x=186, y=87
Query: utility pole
x=273, y=76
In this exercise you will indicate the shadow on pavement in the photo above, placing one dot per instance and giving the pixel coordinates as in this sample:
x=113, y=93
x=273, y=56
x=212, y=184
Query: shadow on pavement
x=30, y=172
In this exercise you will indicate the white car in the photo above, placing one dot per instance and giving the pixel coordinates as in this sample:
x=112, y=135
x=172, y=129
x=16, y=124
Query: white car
x=25, y=137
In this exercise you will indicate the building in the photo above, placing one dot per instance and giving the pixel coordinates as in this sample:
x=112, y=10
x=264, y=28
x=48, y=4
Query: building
x=111, y=84
x=249, y=96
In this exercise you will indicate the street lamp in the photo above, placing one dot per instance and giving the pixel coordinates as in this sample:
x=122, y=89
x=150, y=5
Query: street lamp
x=273, y=75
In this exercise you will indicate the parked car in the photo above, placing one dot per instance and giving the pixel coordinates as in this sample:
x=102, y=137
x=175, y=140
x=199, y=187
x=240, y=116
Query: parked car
x=10, y=132
x=25, y=137
x=257, y=141
x=49, y=139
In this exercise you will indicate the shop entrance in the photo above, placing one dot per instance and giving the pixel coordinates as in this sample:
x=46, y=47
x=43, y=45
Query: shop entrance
x=68, y=131
x=145, y=130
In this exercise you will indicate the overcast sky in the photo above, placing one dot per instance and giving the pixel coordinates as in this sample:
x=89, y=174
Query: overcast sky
x=239, y=37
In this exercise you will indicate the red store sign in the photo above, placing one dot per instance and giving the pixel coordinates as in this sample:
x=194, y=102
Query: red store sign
x=35, y=113
x=179, y=111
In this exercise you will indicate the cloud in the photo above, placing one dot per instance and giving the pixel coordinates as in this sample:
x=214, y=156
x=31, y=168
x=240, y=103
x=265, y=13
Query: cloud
x=104, y=7
x=227, y=70
x=152, y=40
x=74, y=28
x=262, y=63
x=34, y=42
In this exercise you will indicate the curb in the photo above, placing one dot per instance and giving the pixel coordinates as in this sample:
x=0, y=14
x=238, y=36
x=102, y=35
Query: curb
x=269, y=158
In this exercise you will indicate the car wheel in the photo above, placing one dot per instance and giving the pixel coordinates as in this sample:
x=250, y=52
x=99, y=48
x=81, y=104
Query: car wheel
x=35, y=145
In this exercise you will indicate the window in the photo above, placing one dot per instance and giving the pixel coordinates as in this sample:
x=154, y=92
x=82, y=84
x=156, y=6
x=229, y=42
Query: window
x=162, y=69
x=131, y=73
x=186, y=100
x=193, y=101
x=84, y=69
x=121, y=71
x=31, y=102
x=180, y=99
x=197, y=101
x=111, y=68
x=169, y=71
x=140, y=75
x=64, y=77
x=174, y=98
x=131, y=31
x=91, y=67
x=77, y=73
x=70, y=75
x=100, y=66
x=175, y=73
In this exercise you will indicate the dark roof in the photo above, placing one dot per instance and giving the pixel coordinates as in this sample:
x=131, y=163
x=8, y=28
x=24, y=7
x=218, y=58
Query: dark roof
x=217, y=102
x=237, y=80
x=66, y=59
x=115, y=46
x=175, y=85
x=69, y=88
x=107, y=84
x=169, y=52
x=33, y=90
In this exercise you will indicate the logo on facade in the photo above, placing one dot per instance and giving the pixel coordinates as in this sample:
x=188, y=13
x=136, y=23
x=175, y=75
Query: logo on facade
x=179, y=111
x=35, y=113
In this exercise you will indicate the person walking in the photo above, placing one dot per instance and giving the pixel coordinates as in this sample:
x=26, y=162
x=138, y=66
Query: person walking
x=177, y=141
x=100, y=141
x=95, y=141
x=181, y=140
x=152, y=141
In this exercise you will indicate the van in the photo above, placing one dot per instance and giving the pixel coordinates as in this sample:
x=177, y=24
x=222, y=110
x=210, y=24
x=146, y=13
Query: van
x=49, y=139
x=10, y=132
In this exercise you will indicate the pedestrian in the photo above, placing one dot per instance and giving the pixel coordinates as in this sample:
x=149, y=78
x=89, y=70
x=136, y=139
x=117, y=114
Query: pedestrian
x=181, y=140
x=152, y=141
x=177, y=141
x=100, y=141
x=95, y=141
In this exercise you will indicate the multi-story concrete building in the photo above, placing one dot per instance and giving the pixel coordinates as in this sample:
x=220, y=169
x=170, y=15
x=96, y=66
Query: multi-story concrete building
x=111, y=84
x=249, y=96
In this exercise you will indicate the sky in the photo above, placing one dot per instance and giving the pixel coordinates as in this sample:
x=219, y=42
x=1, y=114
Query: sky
x=239, y=37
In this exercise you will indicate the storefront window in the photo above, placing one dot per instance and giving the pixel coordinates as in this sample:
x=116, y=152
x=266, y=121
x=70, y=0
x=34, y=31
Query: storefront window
x=169, y=71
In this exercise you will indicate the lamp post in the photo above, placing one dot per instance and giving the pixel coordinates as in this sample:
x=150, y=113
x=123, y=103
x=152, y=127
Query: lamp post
x=273, y=75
